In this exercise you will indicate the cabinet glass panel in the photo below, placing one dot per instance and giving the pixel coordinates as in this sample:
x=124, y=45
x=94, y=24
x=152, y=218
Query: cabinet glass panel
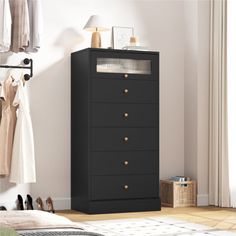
x=119, y=65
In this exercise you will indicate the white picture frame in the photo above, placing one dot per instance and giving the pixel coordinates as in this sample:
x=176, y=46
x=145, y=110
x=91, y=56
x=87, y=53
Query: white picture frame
x=121, y=36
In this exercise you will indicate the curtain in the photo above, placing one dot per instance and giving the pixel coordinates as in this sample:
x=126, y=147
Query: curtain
x=231, y=75
x=218, y=136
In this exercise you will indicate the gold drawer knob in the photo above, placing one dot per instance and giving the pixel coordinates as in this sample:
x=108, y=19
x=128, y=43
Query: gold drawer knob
x=126, y=76
x=126, y=139
x=126, y=91
x=126, y=114
x=126, y=187
x=126, y=163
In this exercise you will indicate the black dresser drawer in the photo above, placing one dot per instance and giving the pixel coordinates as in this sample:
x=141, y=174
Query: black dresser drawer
x=124, y=115
x=118, y=163
x=110, y=90
x=115, y=139
x=124, y=187
x=125, y=66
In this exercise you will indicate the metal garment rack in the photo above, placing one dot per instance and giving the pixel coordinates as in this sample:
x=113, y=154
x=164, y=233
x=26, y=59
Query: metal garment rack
x=29, y=65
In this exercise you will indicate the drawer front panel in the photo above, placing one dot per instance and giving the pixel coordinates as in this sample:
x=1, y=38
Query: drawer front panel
x=118, y=115
x=115, y=139
x=128, y=66
x=124, y=187
x=121, y=163
x=109, y=90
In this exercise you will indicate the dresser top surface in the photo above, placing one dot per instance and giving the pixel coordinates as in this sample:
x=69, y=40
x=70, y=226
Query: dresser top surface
x=116, y=51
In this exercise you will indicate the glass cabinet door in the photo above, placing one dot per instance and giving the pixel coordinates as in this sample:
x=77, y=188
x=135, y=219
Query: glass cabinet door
x=122, y=65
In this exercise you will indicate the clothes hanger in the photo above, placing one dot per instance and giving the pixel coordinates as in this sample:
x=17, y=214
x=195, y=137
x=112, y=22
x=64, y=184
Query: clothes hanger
x=22, y=78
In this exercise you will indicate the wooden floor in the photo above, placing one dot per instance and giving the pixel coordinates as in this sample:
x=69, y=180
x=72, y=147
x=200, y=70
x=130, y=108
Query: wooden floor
x=220, y=218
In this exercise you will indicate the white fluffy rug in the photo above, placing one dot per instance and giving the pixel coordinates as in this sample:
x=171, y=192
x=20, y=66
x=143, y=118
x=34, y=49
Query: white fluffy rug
x=152, y=226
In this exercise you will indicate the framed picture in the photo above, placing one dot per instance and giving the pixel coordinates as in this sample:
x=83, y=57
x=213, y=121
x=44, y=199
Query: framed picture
x=121, y=36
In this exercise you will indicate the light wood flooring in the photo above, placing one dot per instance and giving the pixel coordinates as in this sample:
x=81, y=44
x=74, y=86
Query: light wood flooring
x=220, y=218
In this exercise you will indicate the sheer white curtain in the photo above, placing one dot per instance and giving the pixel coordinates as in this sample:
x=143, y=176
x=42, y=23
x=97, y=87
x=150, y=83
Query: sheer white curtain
x=231, y=68
x=218, y=145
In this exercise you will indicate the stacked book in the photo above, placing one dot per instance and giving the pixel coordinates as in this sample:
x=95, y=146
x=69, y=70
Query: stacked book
x=180, y=178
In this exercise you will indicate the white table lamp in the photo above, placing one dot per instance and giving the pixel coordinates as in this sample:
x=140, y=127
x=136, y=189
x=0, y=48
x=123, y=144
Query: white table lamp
x=96, y=25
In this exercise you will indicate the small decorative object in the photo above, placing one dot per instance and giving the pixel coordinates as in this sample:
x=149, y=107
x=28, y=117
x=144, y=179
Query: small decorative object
x=96, y=25
x=134, y=41
x=180, y=178
x=121, y=36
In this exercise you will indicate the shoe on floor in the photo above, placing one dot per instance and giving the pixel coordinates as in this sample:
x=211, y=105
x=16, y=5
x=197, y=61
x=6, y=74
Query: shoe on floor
x=3, y=208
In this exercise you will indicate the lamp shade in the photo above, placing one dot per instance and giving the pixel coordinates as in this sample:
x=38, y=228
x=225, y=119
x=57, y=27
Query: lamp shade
x=95, y=23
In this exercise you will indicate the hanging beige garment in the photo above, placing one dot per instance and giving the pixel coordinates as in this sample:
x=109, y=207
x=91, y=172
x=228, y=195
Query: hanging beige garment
x=0, y=108
x=20, y=25
x=7, y=125
x=0, y=104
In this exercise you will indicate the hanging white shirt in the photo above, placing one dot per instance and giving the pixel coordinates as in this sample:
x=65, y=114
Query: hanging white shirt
x=5, y=26
x=23, y=157
x=36, y=25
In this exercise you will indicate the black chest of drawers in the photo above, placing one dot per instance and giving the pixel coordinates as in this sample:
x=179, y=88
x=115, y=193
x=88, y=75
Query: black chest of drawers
x=114, y=131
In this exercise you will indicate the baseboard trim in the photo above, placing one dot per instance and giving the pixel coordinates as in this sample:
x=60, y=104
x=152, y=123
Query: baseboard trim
x=65, y=203
x=59, y=204
x=10, y=204
x=62, y=203
x=202, y=200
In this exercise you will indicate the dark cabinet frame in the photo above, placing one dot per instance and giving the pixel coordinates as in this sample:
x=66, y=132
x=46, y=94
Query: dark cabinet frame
x=109, y=173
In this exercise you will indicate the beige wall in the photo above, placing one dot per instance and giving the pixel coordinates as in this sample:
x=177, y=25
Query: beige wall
x=162, y=26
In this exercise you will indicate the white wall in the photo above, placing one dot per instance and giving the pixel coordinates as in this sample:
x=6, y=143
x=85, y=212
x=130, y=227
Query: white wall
x=166, y=34
x=161, y=26
x=197, y=37
x=190, y=88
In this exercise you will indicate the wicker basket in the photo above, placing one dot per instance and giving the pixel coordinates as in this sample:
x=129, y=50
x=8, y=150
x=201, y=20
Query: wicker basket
x=178, y=194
